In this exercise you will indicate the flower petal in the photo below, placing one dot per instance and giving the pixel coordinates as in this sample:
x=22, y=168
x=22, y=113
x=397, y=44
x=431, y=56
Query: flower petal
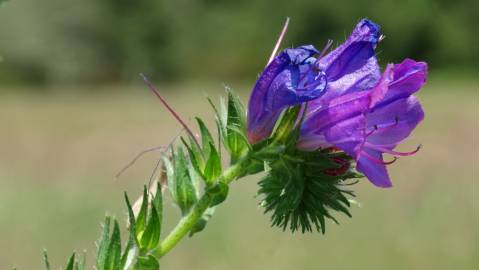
x=395, y=122
x=409, y=77
x=337, y=110
x=373, y=170
x=276, y=89
x=352, y=54
x=352, y=66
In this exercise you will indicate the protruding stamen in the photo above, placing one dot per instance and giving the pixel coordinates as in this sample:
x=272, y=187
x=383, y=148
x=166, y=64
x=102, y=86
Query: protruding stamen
x=169, y=108
x=278, y=42
x=392, y=152
x=378, y=161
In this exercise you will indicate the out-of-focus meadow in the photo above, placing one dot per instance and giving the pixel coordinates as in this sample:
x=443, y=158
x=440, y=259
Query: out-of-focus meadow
x=72, y=113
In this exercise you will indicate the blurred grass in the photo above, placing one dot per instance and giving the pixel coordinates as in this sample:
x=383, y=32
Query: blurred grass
x=59, y=154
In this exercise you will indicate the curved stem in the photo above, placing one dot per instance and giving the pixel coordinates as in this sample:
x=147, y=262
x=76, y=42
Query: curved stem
x=188, y=221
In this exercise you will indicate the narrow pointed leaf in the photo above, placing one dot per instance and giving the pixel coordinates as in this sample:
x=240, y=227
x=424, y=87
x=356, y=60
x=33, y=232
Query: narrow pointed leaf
x=140, y=223
x=213, y=166
x=103, y=245
x=131, y=219
x=206, y=138
x=113, y=258
x=185, y=189
x=151, y=236
x=71, y=262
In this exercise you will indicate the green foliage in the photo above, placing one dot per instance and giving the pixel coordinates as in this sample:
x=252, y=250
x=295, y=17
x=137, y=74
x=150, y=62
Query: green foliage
x=300, y=194
x=109, y=247
x=145, y=228
x=181, y=180
x=231, y=122
x=73, y=263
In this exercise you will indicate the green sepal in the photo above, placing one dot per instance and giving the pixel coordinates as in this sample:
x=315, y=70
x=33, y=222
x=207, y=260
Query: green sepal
x=236, y=127
x=285, y=130
x=140, y=223
x=231, y=121
x=213, y=166
x=196, y=158
x=113, y=258
x=181, y=181
x=131, y=220
x=103, y=245
x=158, y=203
x=109, y=247
x=147, y=262
x=206, y=138
x=151, y=236
x=128, y=254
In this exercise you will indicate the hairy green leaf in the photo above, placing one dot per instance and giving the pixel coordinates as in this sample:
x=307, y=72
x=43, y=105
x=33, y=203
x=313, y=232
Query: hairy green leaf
x=206, y=138
x=213, y=166
x=113, y=258
x=182, y=187
x=140, y=223
x=103, y=245
x=151, y=235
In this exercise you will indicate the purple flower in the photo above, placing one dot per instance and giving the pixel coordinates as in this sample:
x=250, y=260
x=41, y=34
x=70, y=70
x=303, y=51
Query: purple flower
x=352, y=66
x=295, y=77
x=288, y=80
x=367, y=124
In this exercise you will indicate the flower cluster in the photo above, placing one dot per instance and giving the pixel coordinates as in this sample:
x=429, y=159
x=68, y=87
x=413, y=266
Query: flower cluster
x=345, y=103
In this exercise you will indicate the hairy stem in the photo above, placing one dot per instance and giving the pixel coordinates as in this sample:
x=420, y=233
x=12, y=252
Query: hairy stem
x=188, y=221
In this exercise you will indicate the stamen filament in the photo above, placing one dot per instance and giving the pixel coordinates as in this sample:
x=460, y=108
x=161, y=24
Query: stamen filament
x=378, y=161
x=392, y=152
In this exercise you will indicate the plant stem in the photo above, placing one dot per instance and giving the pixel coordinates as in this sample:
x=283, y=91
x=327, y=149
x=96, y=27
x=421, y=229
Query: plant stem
x=188, y=221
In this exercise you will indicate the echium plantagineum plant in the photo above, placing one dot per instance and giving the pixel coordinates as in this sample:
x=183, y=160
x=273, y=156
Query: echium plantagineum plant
x=316, y=122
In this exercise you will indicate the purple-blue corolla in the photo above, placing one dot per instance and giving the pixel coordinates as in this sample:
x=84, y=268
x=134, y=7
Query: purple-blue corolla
x=349, y=104
x=288, y=80
x=295, y=76
x=367, y=124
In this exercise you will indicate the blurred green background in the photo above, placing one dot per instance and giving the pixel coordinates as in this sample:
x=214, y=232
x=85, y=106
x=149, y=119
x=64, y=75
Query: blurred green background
x=73, y=112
